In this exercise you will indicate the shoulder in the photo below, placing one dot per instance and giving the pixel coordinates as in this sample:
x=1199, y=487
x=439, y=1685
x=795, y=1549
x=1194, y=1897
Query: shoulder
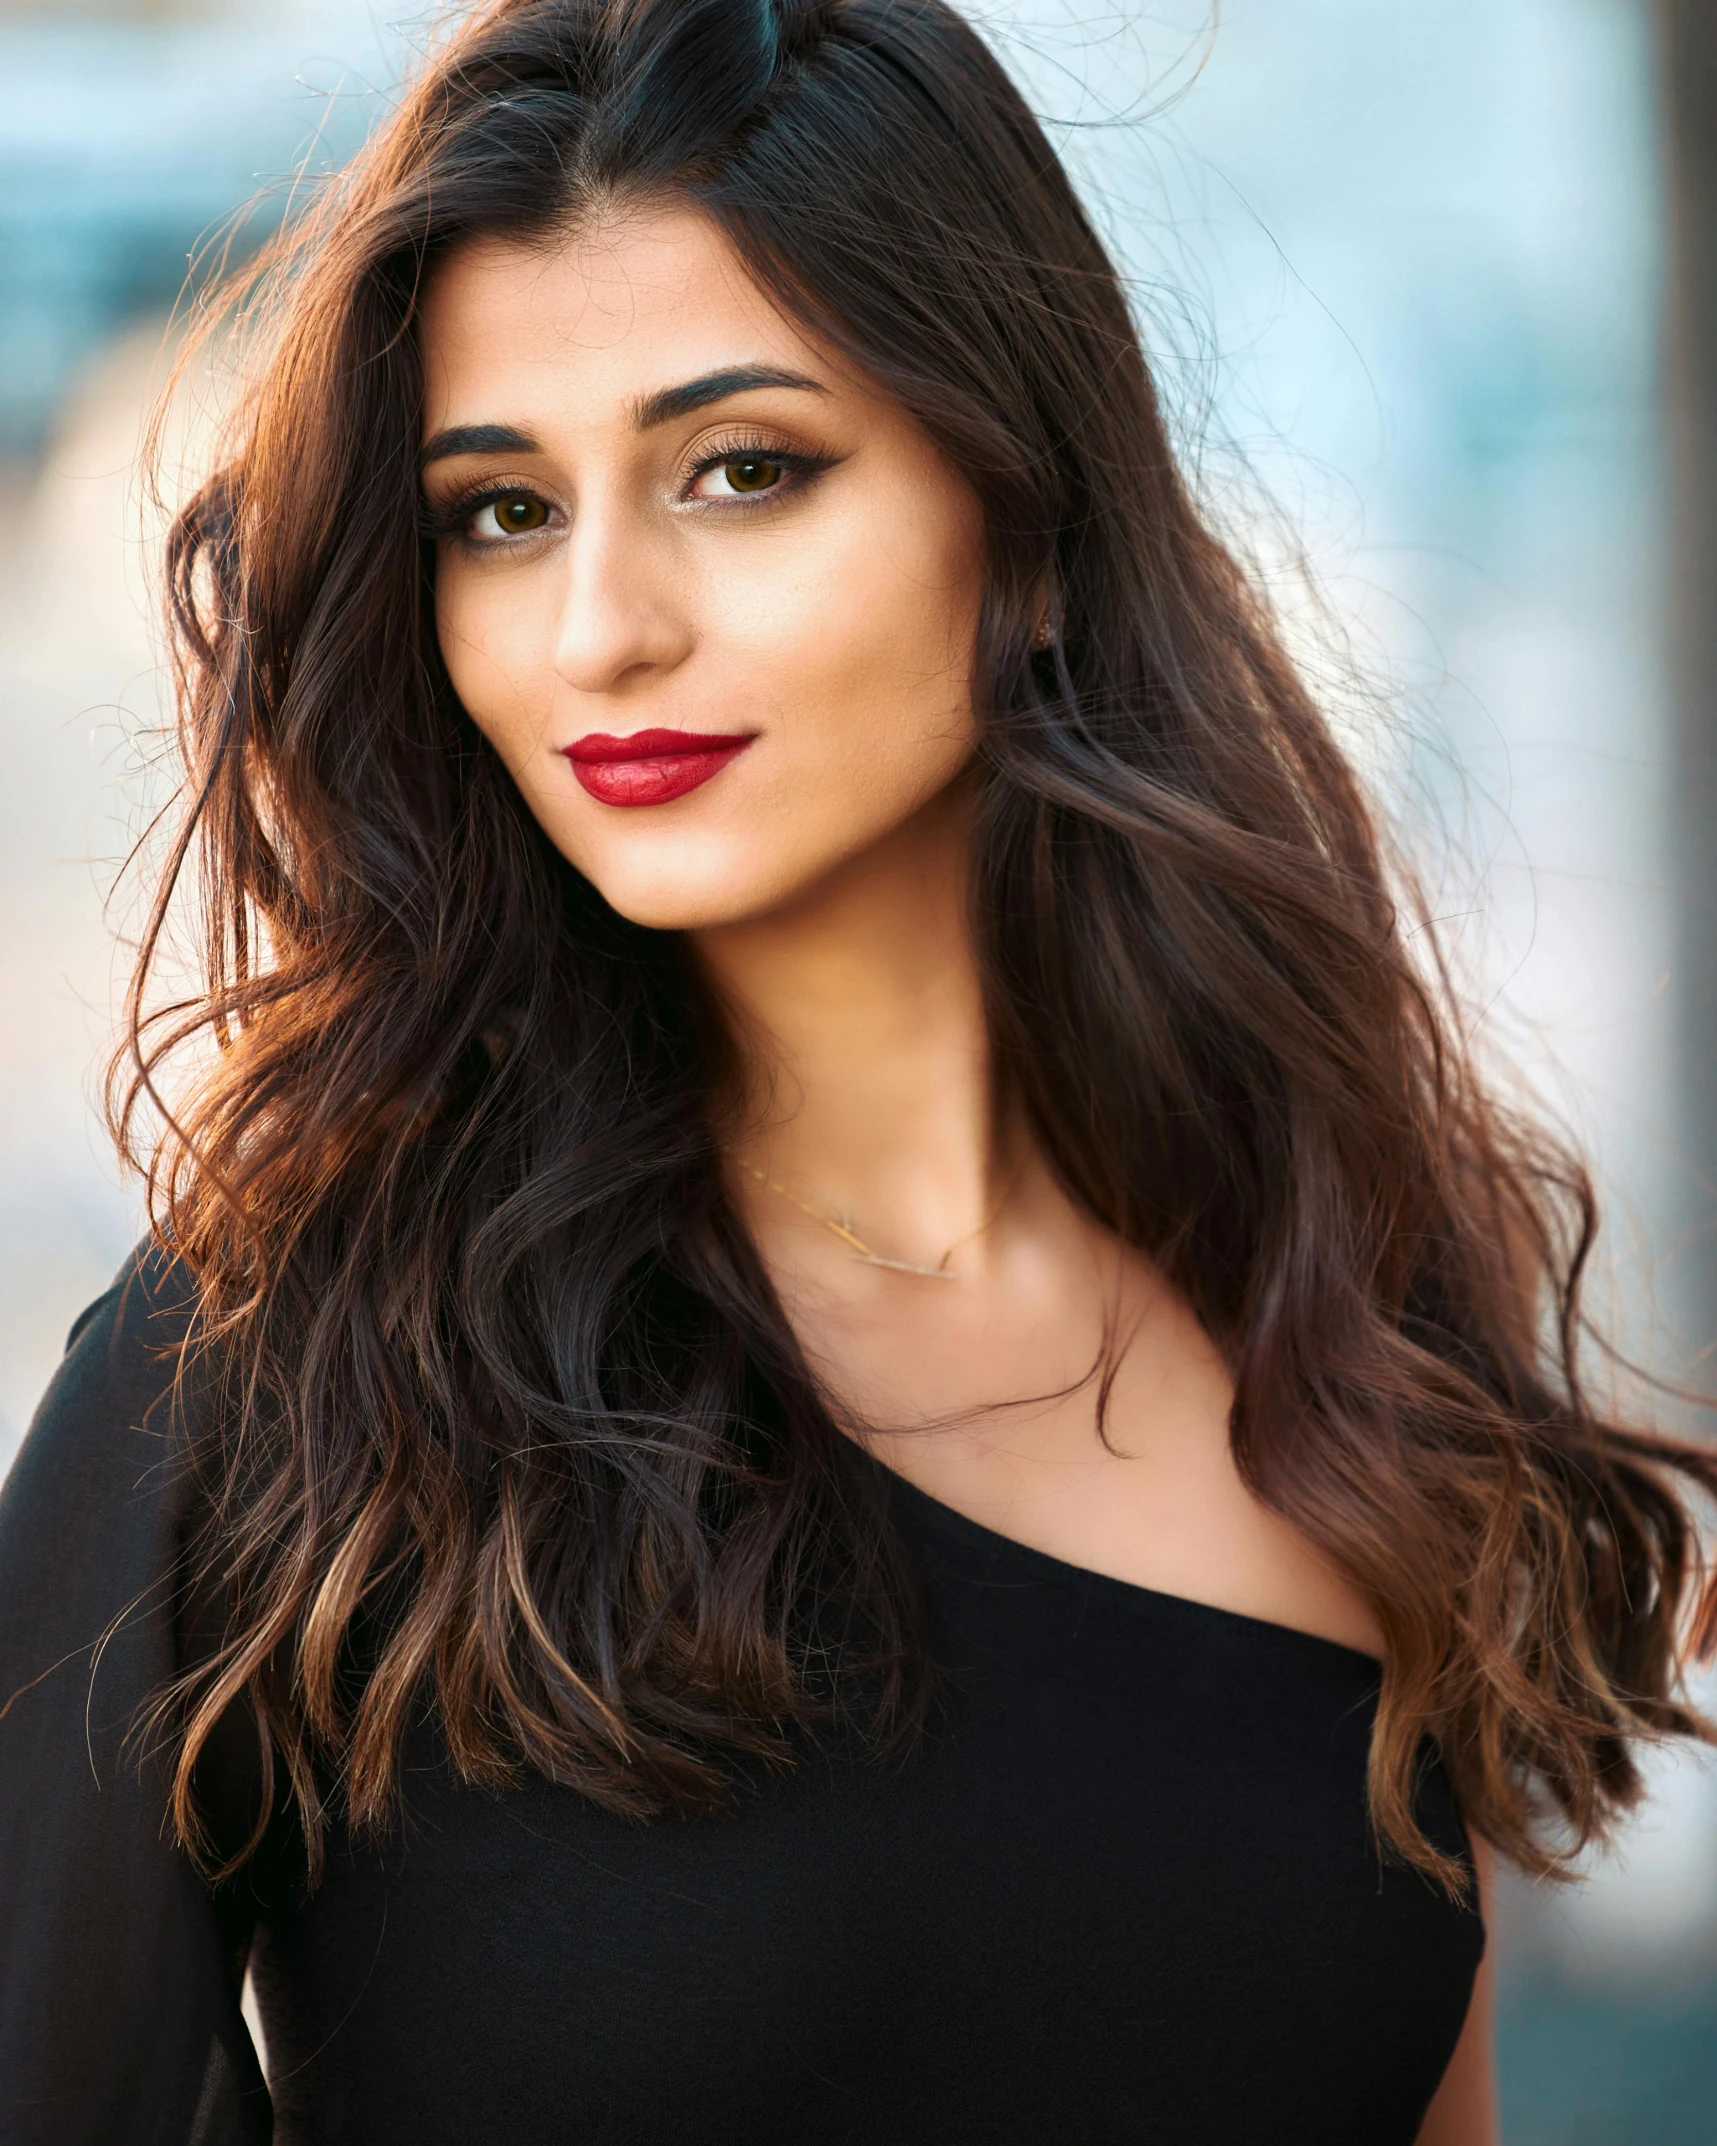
x=121, y=1360
x=129, y=1339
x=90, y=1511
x=122, y=2000
x=1195, y=1524
x=117, y=1379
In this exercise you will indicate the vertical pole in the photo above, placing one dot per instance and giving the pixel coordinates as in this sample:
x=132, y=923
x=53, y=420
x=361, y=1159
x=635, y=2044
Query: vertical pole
x=1687, y=49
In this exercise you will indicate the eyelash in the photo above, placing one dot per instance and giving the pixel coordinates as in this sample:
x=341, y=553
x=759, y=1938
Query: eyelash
x=798, y=467
x=453, y=516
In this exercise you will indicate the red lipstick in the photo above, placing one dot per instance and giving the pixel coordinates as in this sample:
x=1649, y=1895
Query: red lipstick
x=651, y=766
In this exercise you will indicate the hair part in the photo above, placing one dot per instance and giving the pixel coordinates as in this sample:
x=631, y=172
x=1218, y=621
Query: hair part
x=505, y=1419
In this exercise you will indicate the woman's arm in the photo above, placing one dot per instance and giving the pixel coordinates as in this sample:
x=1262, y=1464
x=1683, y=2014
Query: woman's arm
x=1463, y=2111
x=119, y=1978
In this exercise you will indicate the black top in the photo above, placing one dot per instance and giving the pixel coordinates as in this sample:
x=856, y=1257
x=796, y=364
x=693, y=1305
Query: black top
x=1125, y=1892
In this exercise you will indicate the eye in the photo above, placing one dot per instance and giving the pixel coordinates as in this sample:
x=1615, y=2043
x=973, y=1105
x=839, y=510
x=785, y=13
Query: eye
x=490, y=517
x=514, y=514
x=736, y=475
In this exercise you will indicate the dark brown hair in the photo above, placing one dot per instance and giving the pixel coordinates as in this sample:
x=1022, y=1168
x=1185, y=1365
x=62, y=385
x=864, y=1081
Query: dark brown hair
x=508, y=1422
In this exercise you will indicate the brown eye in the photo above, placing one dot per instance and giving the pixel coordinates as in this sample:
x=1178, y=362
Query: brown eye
x=518, y=514
x=751, y=473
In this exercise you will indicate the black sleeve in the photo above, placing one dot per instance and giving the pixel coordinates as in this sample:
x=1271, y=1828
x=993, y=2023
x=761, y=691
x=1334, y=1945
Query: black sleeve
x=119, y=1970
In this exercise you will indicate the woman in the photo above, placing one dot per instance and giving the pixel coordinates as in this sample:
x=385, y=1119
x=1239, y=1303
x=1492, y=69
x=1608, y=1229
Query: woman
x=846, y=1422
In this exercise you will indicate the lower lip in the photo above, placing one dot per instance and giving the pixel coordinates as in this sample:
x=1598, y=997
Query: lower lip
x=656, y=778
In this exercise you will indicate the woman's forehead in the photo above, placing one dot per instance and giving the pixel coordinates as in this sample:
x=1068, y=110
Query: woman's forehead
x=602, y=323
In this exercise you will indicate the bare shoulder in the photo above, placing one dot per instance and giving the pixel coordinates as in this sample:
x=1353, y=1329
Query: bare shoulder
x=1198, y=1530
x=1160, y=1503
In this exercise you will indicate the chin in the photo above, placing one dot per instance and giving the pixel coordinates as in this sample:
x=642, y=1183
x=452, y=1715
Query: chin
x=688, y=885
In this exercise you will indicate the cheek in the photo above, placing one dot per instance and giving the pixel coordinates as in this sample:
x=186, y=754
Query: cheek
x=498, y=649
x=885, y=638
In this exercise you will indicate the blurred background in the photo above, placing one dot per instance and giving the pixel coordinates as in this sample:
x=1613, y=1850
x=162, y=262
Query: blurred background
x=1432, y=290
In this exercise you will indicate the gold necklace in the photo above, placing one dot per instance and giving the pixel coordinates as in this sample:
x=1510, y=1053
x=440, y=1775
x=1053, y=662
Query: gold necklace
x=841, y=1226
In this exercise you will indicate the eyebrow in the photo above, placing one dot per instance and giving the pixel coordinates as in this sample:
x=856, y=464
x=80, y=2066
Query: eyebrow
x=476, y=440
x=670, y=402
x=658, y=409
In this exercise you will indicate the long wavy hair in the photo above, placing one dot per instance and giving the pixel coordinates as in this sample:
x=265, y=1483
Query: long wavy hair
x=507, y=1428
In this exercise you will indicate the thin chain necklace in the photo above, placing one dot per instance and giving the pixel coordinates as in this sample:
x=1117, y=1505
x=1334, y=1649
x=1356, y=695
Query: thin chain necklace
x=841, y=1227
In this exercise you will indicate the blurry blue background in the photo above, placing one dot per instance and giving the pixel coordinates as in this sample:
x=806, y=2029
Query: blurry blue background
x=1400, y=267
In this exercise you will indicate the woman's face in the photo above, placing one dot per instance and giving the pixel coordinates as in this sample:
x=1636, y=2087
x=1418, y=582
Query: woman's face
x=712, y=598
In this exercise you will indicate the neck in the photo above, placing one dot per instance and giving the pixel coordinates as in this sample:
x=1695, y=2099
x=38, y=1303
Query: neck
x=860, y=1020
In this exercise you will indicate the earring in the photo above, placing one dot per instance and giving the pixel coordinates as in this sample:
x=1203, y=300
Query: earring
x=1044, y=637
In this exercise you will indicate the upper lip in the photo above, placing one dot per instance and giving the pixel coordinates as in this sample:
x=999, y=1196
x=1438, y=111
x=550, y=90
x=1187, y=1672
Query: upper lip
x=598, y=745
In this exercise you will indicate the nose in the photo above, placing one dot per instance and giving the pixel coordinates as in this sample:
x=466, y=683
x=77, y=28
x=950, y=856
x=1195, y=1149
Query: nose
x=621, y=618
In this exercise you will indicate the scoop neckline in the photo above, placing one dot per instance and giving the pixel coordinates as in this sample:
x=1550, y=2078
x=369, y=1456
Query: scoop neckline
x=1085, y=1579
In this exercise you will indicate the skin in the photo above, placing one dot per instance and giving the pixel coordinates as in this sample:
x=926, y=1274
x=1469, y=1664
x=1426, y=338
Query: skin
x=830, y=612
